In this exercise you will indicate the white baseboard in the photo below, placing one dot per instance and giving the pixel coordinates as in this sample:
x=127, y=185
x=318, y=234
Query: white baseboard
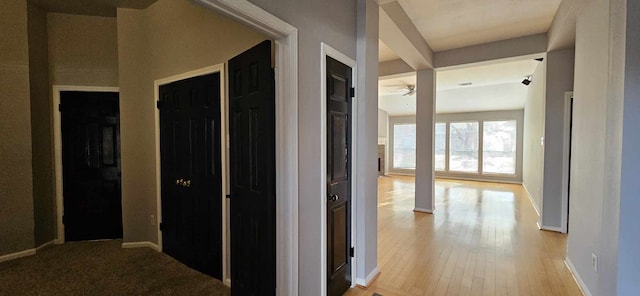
x=533, y=203
x=16, y=255
x=367, y=281
x=422, y=210
x=141, y=245
x=46, y=245
x=549, y=228
x=227, y=282
x=583, y=288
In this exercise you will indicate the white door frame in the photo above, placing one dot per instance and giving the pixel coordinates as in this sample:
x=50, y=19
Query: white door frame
x=219, y=68
x=57, y=147
x=566, y=162
x=328, y=51
x=286, y=76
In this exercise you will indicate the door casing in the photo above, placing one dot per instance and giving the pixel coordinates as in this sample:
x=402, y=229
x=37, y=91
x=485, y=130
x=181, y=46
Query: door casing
x=328, y=51
x=285, y=37
x=57, y=147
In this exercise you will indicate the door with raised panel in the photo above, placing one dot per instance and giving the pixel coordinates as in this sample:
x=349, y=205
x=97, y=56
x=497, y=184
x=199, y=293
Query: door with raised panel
x=339, y=251
x=253, y=175
x=191, y=189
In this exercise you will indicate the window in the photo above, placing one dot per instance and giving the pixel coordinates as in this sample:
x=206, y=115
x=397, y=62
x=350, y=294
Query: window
x=441, y=146
x=404, y=146
x=499, y=147
x=463, y=146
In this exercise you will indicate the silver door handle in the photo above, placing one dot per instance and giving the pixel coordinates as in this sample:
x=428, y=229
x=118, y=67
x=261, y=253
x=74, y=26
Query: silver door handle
x=333, y=197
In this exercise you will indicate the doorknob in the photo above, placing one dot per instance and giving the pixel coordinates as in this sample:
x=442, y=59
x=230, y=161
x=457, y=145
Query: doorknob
x=333, y=197
x=183, y=182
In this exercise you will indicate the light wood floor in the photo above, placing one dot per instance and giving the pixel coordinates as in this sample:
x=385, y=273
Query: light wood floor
x=482, y=240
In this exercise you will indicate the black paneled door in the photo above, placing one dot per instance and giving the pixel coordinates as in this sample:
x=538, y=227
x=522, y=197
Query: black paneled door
x=91, y=165
x=252, y=164
x=338, y=102
x=191, y=172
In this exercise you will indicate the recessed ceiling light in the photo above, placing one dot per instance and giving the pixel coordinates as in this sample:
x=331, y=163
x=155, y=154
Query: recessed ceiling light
x=465, y=83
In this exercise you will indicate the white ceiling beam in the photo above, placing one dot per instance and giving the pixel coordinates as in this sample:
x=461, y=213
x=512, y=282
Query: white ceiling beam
x=390, y=69
x=499, y=50
x=400, y=34
x=562, y=33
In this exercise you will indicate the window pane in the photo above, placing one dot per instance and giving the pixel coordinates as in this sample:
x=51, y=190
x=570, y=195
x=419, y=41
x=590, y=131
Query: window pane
x=404, y=146
x=441, y=146
x=463, y=147
x=499, y=147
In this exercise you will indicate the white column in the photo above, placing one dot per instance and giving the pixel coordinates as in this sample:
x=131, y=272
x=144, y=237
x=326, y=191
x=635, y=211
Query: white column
x=425, y=116
x=366, y=205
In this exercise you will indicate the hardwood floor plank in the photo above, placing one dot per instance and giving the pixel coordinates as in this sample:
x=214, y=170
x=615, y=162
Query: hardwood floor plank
x=482, y=240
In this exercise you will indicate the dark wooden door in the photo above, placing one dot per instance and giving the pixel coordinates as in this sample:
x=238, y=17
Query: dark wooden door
x=338, y=177
x=191, y=172
x=91, y=165
x=252, y=164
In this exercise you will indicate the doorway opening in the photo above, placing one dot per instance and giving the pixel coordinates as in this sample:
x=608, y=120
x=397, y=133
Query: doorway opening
x=87, y=163
x=566, y=170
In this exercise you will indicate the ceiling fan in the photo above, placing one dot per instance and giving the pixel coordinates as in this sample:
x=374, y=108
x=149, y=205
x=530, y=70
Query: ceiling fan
x=408, y=89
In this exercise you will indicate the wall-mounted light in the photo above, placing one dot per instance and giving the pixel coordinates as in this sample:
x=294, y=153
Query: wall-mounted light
x=527, y=80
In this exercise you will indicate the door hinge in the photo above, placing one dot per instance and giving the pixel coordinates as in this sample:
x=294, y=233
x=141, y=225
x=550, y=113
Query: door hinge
x=161, y=226
x=158, y=105
x=60, y=107
x=229, y=196
x=353, y=92
x=64, y=220
x=351, y=252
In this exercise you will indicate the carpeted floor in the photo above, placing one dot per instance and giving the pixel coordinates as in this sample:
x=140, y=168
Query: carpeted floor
x=103, y=268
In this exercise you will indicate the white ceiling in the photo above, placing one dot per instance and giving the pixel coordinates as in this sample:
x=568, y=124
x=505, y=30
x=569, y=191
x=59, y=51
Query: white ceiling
x=494, y=87
x=447, y=24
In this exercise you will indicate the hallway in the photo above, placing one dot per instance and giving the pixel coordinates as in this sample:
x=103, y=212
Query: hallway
x=482, y=240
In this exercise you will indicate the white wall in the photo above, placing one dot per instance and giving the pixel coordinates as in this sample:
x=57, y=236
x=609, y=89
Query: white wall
x=383, y=136
x=383, y=122
x=533, y=130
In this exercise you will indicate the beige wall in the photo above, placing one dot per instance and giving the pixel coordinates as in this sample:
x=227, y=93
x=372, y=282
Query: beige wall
x=16, y=191
x=168, y=38
x=41, y=134
x=83, y=50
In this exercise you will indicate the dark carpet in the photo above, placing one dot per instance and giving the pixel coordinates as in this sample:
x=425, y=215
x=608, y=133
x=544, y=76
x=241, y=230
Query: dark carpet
x=103, y=268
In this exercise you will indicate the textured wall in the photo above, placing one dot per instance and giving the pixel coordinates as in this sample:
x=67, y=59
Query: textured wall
x=588, y=142
x=83, y=50
x=16, y=191
x=559, y=81
x=533, y=157
x=41, y=133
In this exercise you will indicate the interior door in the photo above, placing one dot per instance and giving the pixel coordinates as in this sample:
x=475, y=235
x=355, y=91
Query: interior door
x=252, y=166
x=191, y=172
x=90, y=124
x=338, y=177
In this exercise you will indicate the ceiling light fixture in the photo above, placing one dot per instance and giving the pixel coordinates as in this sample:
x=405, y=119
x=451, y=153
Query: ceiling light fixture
x=527, y=80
